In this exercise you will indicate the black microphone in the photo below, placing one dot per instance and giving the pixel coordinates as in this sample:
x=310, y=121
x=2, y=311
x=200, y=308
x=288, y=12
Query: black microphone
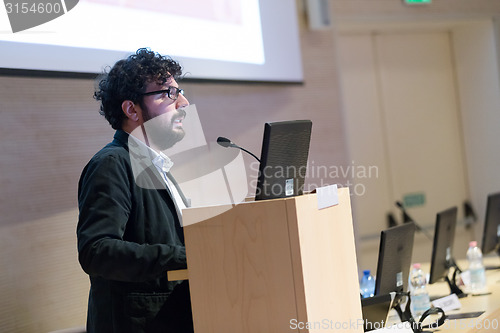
x=469, y=214
x=225, y=142
x=391, y=221
x=407, y=219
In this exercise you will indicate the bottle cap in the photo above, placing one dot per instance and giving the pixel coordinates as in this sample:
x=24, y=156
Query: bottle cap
x=473, y=244
x=366, y=272
x=416, y=265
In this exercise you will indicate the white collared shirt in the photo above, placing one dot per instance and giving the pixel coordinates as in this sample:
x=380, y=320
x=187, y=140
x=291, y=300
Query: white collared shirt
x=163, y=164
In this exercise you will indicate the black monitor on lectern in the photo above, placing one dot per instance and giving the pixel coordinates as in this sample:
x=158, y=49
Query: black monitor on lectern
x=394, y=259
x=491, y=231
x=442, y=250
x=283, y=161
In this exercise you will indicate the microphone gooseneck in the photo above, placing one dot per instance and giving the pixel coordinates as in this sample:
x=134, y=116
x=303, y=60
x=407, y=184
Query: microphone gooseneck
x=225, y=142
x=407, y=219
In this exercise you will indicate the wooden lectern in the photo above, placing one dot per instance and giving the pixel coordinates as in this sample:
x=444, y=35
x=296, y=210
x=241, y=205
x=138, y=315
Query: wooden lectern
x=273, y=266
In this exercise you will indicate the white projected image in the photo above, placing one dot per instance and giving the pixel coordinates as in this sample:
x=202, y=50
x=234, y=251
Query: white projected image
x=212, y=39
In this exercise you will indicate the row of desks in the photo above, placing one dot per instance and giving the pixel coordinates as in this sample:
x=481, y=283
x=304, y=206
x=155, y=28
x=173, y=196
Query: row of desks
x=489, y=302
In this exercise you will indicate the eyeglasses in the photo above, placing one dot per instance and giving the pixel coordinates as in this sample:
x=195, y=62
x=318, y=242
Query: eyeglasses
x=172, y=92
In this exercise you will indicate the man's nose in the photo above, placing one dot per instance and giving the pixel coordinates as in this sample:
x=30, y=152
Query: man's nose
x=181, y=102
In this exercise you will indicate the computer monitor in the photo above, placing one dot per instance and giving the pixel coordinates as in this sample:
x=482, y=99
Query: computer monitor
x=376, y=310
x=442, y=250
x=491, y=231
x=394, y=259
x=283, y=161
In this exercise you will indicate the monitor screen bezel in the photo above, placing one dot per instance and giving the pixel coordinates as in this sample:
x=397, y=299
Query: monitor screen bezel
x=490, y=240
x=395, y=255
x=444, y=238
x=294, y=148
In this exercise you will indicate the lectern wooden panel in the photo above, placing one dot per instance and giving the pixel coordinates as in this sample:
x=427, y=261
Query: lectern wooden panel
x=274, y=266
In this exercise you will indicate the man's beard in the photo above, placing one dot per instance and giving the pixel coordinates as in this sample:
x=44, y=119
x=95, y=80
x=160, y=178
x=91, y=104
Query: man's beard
x=161, y=134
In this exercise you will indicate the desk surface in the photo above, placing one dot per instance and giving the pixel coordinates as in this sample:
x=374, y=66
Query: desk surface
x=490, y=303
x=489, y=321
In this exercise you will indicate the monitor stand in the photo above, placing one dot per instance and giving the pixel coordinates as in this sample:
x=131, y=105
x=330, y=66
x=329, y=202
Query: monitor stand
x=453, y=282
x=403, y=316
x=490, y=267
x=416, y=325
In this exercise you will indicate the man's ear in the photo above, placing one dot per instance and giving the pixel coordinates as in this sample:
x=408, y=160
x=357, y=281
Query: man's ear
x=130, y=110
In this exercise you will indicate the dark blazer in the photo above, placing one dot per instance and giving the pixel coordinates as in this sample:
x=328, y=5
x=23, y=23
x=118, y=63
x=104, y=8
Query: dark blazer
x=128, y=237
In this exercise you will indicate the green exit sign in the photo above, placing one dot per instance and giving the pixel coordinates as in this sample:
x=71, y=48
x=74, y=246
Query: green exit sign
x=417, y=2
x=413, y=200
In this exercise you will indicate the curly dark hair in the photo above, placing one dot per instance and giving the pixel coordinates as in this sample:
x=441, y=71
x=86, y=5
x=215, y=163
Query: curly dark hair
x=127, y=80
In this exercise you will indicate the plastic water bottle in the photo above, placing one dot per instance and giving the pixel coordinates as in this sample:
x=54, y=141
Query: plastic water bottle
x=476, y=268
x=367, y=284
x=420, y=301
